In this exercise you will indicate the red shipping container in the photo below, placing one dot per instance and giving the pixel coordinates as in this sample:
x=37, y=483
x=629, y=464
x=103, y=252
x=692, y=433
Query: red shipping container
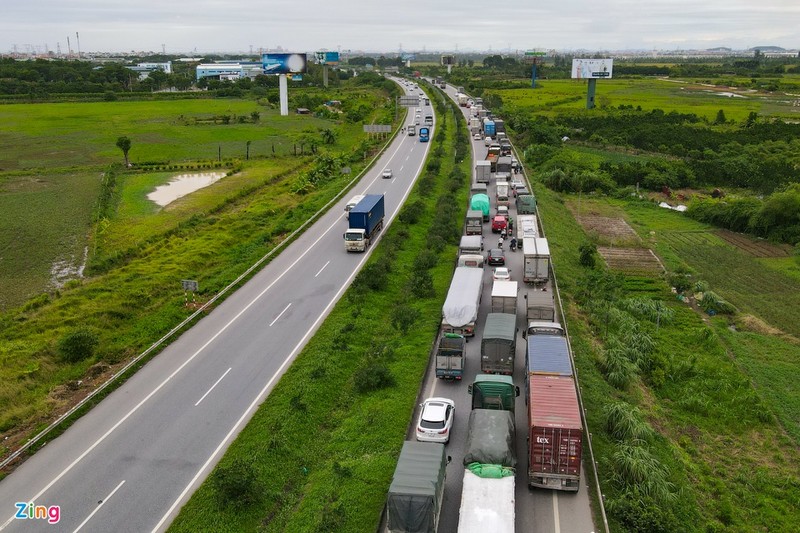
x=555, y=433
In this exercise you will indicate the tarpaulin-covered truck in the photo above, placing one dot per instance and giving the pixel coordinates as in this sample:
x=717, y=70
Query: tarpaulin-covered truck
x=450, y=356
x=490, y=391
x=526, y=204
x=460, y=309
x=499, y=343
x=555, y=433
x=487, y=492
x=480, y=202
x=415, y=495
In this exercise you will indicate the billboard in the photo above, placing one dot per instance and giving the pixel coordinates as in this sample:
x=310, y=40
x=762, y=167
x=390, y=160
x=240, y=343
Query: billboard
x=327, y=58
x=448, y=60
x=592, y=68
x=283, y=63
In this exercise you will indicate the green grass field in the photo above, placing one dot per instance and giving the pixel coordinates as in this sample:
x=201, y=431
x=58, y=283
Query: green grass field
x=554, y=96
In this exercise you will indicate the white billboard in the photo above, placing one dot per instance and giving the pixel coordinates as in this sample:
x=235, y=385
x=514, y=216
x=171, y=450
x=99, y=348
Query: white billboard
x=592, y=68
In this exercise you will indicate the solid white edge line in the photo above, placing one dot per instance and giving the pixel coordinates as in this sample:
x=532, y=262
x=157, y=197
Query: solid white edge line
x=212, y=387
x=556, y=520
x=289, y=358
x=321, y=269
x=281, y=314
x=102, y=503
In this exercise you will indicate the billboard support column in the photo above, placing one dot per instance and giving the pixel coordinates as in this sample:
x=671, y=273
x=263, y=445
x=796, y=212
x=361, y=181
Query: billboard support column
x=325, y=75
x=284, y=94
x=449, y=68
x=590, y=93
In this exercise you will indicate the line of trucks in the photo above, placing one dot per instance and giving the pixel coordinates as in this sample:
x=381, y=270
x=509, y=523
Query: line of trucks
x=554, y=429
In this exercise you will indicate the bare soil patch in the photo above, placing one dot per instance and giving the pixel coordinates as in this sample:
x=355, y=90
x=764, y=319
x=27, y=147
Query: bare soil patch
x=631, y=260
x=752, y=246
x=611, y=230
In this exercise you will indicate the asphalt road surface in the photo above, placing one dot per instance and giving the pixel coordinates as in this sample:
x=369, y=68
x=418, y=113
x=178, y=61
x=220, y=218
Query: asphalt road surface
x=536, y=510
x=130, y=463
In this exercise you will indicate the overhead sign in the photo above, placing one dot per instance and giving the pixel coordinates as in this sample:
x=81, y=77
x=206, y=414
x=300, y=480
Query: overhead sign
x=284, y=63
x=409, y=101
x=327, y=58
x=592, y=68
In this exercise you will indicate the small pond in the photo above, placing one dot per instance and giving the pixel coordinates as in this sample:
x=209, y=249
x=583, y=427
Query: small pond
x=182, y=185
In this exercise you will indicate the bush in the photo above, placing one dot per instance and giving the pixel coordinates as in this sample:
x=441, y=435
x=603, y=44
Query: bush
x=78, y=345
x=412, y=212
x=587, y=252
x=403, y=317
x=421, y=284
x=235, y=483
x=372, y=377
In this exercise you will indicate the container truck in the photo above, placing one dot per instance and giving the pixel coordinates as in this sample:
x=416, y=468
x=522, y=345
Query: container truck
x=351, y=203
x=502, y=191
x=536, y=260
x=474, y=222
x=526, y=204
x=527, y=228
x=504, y=297
x=499, y=344
x=548, y=354
x=490, y=391
x=504, y=170
x=424, y=134
x=488, y=127
x=499, y=125
x=480, y=202
x=487, y=492
x=450, y=356
x=555, y=433
x=483, y=171
x=471, y=244
x=365, y=220
x=460, y=309
x=540, y=305
x=417, y=490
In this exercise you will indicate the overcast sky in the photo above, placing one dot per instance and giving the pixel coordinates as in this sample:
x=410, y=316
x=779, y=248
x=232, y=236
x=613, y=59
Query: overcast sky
x=414, y=25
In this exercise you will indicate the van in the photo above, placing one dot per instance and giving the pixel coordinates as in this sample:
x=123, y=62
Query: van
x=351, y=204
x=470, y=260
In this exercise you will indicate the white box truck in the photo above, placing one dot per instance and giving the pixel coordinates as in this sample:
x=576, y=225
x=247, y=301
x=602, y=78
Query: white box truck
x=536, y=260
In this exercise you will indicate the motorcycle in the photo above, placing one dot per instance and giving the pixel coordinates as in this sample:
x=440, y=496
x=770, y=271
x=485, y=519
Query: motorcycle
x=513, y=245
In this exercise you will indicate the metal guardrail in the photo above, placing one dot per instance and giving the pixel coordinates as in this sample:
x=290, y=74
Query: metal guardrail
x=133, y=362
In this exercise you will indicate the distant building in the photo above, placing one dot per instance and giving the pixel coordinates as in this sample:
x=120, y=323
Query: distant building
x=144, y=69
x=229, y=70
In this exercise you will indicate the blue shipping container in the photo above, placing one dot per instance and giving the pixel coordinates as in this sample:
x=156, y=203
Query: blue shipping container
x=548, y=354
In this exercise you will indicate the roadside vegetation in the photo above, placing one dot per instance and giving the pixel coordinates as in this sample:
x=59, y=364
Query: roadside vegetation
x=137, y=253
x=353, y=387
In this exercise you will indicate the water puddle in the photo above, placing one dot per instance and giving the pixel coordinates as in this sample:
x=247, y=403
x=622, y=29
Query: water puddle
x=182, y=185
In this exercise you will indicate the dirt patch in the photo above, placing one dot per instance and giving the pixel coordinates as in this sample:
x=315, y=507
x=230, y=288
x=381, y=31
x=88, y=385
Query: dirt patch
x=631, y=260
x=752, y=246
x=608, y=229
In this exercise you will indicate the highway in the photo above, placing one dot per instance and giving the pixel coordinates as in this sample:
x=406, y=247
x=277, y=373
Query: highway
x=537, y=510
x=133, y=460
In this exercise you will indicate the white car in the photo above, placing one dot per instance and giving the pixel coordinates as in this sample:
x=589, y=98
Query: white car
x=435, y=420
x=477, y=136
x=501, y=274
x=516, y=182
x=387, y=173
x=487, y=141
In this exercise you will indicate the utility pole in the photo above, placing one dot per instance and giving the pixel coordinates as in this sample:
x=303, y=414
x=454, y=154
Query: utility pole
x=78, y=37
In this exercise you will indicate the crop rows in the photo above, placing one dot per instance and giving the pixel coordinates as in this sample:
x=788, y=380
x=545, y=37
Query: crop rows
x=741, y=279
x=631, y=260
x=751, y=246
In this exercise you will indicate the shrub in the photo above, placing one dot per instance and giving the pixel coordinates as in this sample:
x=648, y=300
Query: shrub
x=624, y=422
x=235, y=483
x=412, y=212
x=587, y=252
x=403, y=317
x=78, y=345
x=425, y=260
x=421, y=284
x=372, y=377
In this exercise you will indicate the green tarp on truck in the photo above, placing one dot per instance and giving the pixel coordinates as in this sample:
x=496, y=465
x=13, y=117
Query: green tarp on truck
x=415, y=495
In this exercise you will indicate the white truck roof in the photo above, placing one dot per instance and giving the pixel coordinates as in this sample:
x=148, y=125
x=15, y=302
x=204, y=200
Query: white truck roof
x=505, y=289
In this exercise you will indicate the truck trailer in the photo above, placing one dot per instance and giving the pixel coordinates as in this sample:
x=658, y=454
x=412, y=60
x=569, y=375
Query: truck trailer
x=536, y=260
x=540, y=305
x=504, y=297
x=365, y=220
x=483, y=171
x=555, y=433
x=474, y=222
x=460, y=309
x=415, y=496
x=499, y=343
x=450, y=356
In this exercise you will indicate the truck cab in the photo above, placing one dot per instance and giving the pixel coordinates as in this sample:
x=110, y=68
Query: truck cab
x=540, y=327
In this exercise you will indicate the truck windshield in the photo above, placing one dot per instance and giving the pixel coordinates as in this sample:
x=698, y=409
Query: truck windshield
x=353, y=236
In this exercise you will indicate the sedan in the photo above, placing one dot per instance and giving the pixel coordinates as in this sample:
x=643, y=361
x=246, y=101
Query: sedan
x=435, y=420
x=387, y=173
x=496, y=257
x=501, y=274
x=476, y=136
x=517, y=182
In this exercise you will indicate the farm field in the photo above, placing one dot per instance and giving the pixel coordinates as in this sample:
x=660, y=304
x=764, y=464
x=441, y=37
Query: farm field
x=730, y=465
x=553, y=96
